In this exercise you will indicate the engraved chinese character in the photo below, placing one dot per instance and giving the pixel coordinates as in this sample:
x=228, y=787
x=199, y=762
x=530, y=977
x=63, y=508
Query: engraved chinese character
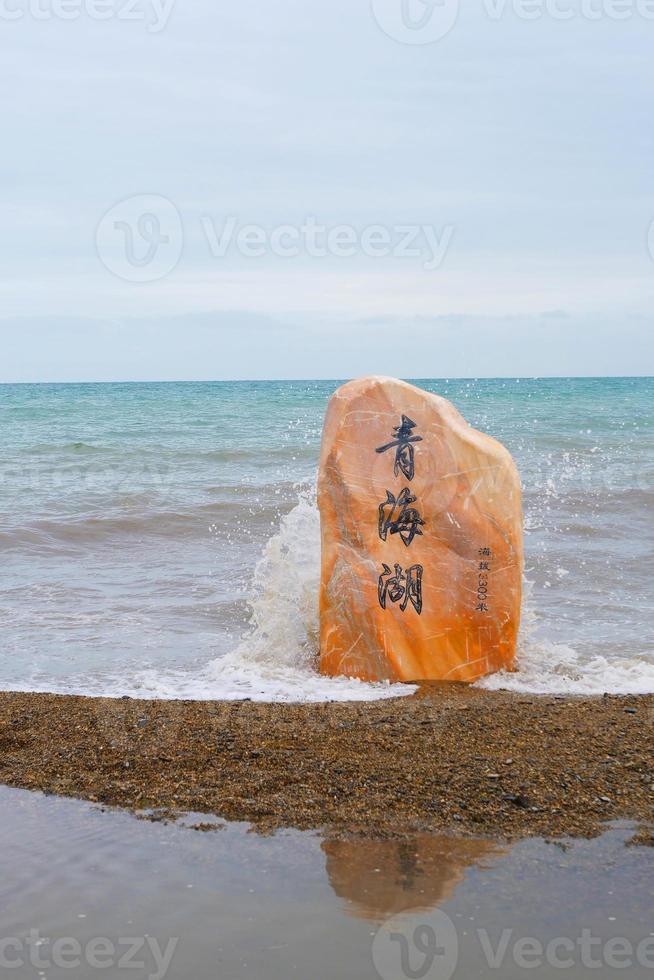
x=396, y=516
x=402, y=444
x=401, y=587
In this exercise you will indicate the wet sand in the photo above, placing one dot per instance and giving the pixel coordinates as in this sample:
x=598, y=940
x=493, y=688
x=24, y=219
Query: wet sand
x=233, y=904
x=494, y=764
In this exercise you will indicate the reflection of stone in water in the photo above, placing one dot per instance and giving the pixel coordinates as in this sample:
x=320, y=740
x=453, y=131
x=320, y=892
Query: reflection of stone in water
x=379, y=878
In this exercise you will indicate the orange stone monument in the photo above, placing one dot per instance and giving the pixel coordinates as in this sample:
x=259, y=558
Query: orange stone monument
x=421, y=529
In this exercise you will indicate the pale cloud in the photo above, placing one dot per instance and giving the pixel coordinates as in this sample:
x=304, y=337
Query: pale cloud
x=237, y=345
x=531, y=139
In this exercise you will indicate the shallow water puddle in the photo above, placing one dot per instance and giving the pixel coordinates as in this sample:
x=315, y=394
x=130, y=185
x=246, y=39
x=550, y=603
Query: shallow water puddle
x=85, y=891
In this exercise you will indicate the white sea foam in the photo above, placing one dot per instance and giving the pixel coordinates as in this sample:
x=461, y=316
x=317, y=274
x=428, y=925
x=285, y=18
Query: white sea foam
x=283, y=647
x=276, y=660
x=544, y=667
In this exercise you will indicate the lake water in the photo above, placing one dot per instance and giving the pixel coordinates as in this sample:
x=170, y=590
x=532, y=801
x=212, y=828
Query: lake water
x=163, y=540
x=85, y=892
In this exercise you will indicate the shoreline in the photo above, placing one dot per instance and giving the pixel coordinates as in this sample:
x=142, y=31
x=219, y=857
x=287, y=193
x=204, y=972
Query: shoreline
x=448, y=758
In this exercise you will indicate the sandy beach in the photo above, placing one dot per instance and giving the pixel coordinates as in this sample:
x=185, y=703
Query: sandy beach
x=495, y=764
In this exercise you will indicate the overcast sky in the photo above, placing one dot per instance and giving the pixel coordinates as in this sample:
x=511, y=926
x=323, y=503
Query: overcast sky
x=476, y=203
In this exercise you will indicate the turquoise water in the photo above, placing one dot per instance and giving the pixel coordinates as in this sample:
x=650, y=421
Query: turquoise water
x=134, y=518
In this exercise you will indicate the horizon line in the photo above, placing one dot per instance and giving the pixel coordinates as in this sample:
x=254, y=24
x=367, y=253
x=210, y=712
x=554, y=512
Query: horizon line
x=494, y=377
